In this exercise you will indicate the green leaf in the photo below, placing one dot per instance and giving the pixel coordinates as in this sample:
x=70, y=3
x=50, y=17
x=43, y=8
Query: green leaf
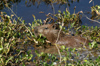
x=10, y=58
x=72, y=25
x=63, y=47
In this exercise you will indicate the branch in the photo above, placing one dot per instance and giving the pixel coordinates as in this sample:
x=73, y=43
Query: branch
x=58, y=35
x=89, y=18
x=58, y=39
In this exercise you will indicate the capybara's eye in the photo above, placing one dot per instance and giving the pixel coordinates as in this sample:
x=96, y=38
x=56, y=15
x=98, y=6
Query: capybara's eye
x=46, y=28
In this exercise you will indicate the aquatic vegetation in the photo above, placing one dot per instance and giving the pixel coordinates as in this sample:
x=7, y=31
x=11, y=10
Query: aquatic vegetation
x=95, y=12
x=12, y=40
x=3, y=3
x=96, y=8
x=15, y=40
x=73, y=56
x=47, y=2
x=74, y=19
x=29, y=3
x=19, y=45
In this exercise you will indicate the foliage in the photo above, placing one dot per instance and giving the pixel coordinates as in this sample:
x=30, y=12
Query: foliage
x=29, y=3
x=69, y=18
x=72, y=56
x=96, y=8
x=95, y=11
x=12, y=37
x=3, y=3
x=15, y=39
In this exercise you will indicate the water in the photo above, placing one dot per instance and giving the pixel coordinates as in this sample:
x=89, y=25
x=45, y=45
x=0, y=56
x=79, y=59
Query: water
x=26, y=11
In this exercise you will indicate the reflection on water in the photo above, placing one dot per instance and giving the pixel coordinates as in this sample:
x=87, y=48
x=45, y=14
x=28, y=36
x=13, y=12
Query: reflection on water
x=29, y=3
x=10, y=3
x=77, y=55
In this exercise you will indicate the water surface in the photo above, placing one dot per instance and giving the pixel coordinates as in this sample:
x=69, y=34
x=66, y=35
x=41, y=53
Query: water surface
x=27, y=10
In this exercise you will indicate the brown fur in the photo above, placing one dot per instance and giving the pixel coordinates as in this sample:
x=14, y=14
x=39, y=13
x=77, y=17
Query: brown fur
x=51, y=34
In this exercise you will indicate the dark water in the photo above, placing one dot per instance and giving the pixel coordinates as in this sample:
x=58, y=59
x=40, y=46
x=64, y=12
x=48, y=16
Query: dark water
x=26, y=12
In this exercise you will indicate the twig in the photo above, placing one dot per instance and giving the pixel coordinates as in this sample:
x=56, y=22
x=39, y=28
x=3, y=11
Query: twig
x=57, y=46
x=90, y=1
x=58, y=35
x=89, y=18
x=53, y=10
x=58, y=39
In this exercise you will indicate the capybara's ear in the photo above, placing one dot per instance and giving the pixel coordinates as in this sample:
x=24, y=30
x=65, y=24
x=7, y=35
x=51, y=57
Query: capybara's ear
x=35, y=30
x=56, y=26
x=50, y=25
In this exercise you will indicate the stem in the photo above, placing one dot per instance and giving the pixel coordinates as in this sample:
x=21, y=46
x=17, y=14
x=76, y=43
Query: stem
x=58, y=33
x=58, y=39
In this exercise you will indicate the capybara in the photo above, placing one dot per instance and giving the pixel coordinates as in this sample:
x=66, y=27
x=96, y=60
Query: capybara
x=51, y=33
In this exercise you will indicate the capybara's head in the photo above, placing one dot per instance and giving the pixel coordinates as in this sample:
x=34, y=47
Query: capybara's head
x=47, y=29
